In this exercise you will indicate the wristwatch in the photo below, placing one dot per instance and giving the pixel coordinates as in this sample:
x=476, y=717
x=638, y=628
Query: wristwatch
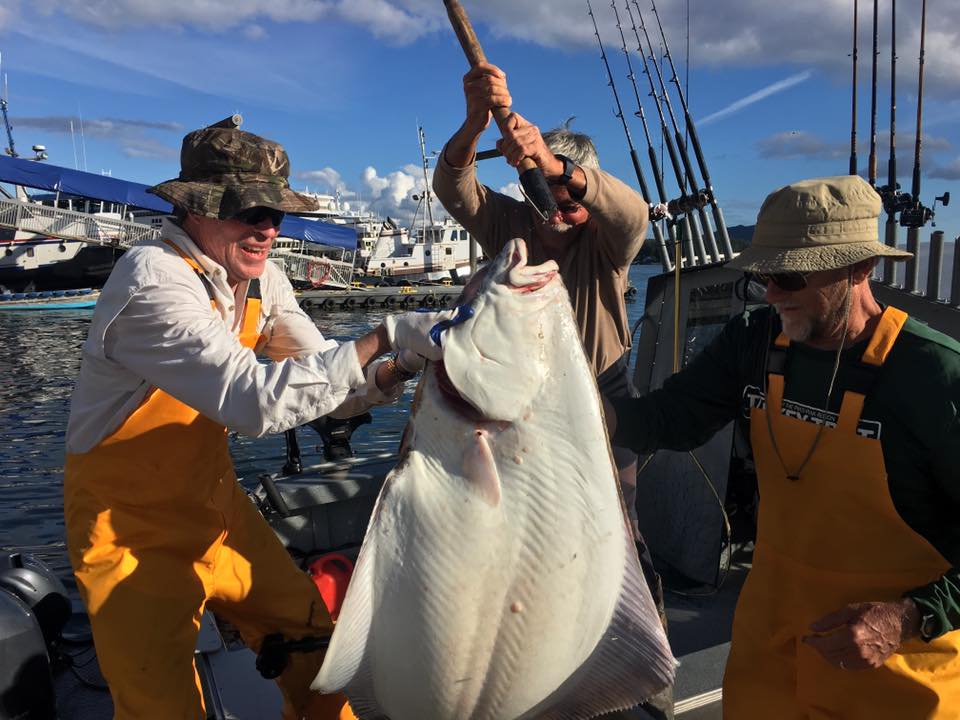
x=569, y=166
x=928, y=627
x=400, y=373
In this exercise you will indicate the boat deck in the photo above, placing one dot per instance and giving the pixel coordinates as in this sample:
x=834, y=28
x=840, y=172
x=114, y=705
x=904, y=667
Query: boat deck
x=326, y=507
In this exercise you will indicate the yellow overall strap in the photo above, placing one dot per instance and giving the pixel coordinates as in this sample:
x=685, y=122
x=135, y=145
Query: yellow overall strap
x=249, y=335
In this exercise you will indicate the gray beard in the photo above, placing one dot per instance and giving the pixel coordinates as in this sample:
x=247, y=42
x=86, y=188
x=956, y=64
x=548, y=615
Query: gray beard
x=559, y=228
x=807, y=328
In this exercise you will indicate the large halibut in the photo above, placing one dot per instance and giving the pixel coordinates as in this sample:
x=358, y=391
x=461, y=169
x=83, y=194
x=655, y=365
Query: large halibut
x=498, y=578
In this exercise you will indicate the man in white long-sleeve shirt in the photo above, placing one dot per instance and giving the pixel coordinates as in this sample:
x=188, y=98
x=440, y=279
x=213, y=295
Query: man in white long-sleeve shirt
x=157, y=526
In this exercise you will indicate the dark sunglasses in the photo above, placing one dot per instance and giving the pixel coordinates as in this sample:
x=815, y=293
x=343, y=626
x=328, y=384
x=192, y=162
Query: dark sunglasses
x=256, y=215
x=790, y=282
x=569, y=207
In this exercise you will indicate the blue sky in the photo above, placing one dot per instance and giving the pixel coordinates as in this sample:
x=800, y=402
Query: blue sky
x=344, y=83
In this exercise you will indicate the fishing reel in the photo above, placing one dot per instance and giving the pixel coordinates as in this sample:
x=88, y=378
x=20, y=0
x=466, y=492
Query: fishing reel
x=689, y=203
x=915, y=216
x=893, y=200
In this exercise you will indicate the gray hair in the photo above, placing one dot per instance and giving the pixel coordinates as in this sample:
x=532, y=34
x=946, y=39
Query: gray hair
x=576, y=146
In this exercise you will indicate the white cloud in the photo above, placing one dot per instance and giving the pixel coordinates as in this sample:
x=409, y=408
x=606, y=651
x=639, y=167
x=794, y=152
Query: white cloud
x=212, y=15
x=744, y=33
x=134, y=137
x=389, y=20
x=328, y=179
x=8, y=15
x=799, y=144
x=397, y=194
x=947, y=171
x=512, y=190
x=393, y=188
x=255, y=32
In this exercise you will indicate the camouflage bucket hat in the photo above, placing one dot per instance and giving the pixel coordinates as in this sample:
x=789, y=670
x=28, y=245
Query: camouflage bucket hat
x=224, y=171
x=821, y=224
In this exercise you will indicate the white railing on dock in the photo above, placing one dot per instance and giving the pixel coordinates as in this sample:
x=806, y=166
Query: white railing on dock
x=316, y=270
x=72, y=225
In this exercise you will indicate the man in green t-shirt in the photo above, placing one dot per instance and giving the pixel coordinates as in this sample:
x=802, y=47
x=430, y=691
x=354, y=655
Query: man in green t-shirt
x=852, y=605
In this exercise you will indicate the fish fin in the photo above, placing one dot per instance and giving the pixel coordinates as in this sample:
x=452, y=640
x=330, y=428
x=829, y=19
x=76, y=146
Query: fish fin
x=631, y=663
x=480, y=469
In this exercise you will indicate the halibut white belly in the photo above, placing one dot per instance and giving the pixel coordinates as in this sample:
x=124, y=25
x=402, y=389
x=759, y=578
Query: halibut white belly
x=498, y=578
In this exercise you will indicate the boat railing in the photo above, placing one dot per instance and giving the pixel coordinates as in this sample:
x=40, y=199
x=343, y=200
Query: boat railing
x=72, y=225
x=928, y=284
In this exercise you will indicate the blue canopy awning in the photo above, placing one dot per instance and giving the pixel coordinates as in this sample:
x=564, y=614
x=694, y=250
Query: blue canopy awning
x=319, y=232
x=53, y=178
x=76, y=182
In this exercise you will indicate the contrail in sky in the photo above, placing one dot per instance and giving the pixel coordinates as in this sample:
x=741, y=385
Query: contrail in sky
x=759, y=95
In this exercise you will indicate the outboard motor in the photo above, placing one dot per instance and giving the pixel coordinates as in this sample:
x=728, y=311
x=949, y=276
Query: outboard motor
x=33, y=610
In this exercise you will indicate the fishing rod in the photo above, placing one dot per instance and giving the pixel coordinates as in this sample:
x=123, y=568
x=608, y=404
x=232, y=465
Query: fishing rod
x=695, y=140
x=644, y=189
x=915, y=216
x=872, y=165
x=665, y=203
x=893, y=200
x=532, y=180
x=701, y=195
x=853, y=121
x=687, y=203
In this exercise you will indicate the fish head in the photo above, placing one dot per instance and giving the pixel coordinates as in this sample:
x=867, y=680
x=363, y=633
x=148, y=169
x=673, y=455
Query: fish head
x=498, y=360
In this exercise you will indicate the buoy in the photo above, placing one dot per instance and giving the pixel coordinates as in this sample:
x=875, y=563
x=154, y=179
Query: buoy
x=331, y=574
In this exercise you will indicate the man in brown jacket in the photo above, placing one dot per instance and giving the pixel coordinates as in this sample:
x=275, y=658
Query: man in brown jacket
x=599, y=231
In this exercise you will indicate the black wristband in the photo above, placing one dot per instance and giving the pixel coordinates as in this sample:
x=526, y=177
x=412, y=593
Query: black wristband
x=569, y=167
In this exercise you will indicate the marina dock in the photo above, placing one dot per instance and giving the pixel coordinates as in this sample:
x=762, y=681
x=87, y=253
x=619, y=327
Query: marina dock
x=368, y=297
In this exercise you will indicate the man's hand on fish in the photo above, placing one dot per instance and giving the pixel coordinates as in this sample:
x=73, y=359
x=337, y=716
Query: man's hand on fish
x=411, y=331
x=863, y=635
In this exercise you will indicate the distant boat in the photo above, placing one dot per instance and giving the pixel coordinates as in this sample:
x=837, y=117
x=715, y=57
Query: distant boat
x=50, y=300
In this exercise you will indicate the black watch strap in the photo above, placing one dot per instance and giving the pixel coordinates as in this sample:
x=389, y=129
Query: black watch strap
x=569, y=166
x=929, y=626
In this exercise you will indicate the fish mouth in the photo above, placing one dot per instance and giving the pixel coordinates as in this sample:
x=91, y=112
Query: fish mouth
x=525, y=278
x=452, y=396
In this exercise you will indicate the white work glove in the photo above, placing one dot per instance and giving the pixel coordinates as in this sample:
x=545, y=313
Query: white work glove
x=411, y=331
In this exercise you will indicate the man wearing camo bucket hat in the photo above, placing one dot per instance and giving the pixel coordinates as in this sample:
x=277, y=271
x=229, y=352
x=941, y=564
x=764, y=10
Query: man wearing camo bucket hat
x=852, y=607
x=158, y=529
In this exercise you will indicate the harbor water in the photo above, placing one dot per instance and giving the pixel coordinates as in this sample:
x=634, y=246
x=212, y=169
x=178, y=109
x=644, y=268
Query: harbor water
x=40, y=354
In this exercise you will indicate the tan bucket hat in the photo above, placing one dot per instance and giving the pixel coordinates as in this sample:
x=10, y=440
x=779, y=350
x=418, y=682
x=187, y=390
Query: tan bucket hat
x=224, y=171
x=820, y=224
